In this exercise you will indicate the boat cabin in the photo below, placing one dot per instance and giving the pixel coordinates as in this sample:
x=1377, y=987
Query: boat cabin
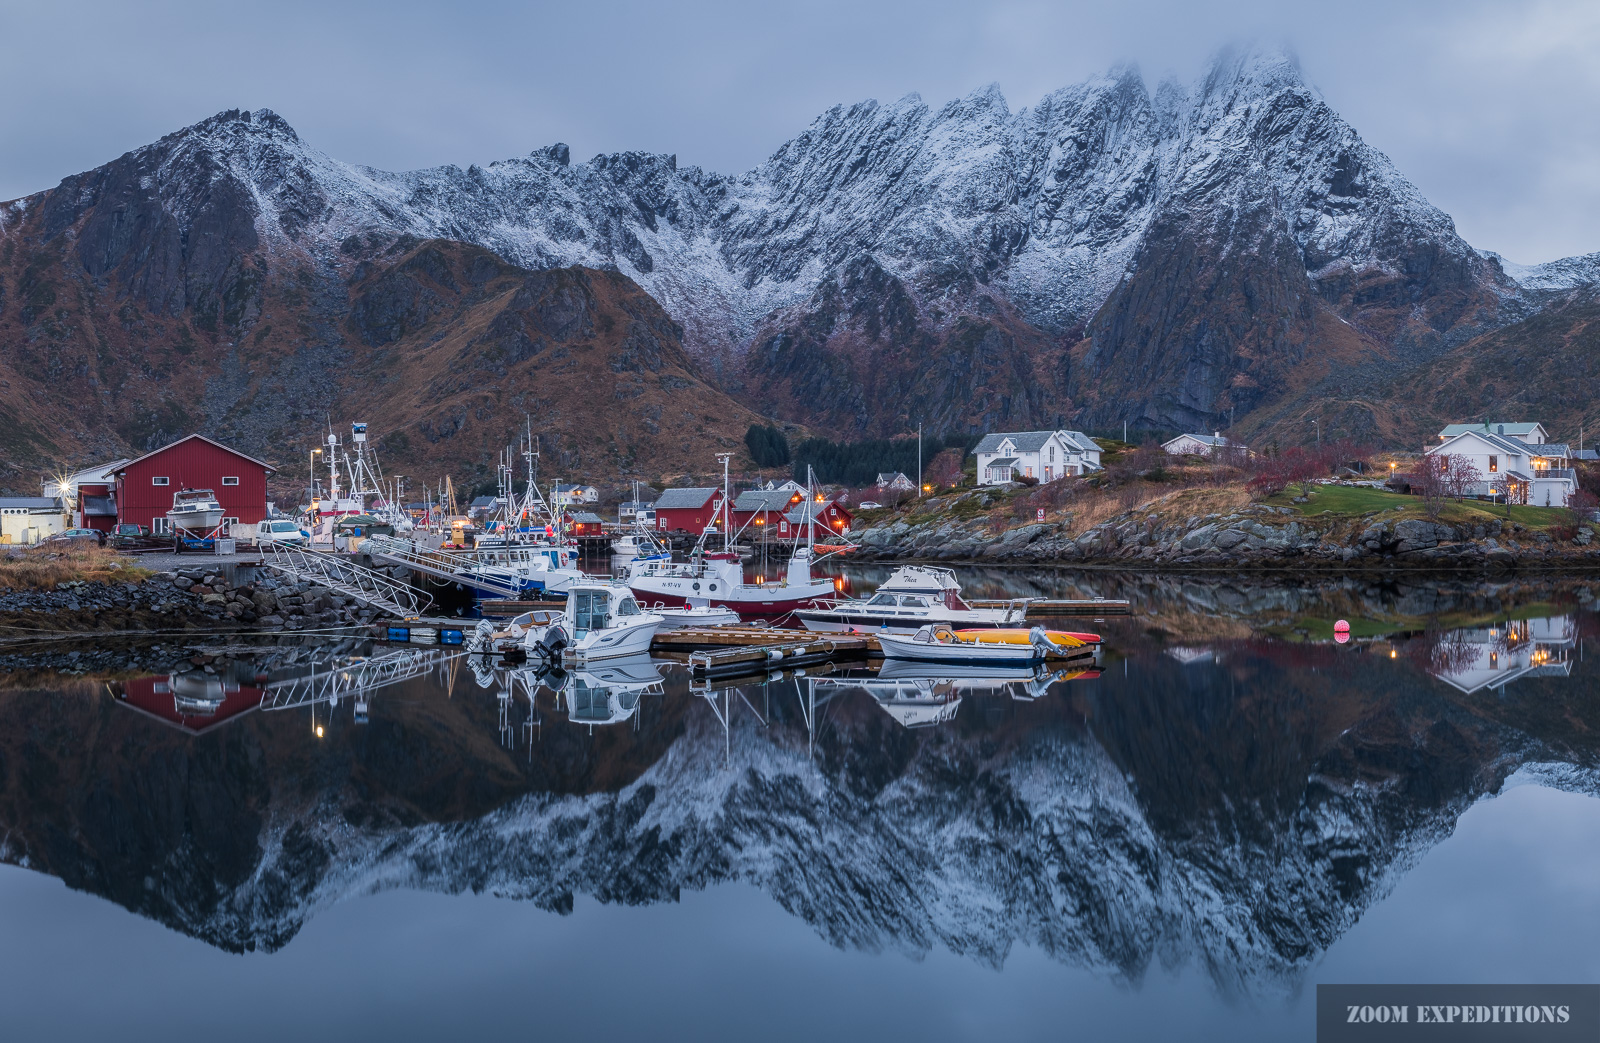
x=599, y=607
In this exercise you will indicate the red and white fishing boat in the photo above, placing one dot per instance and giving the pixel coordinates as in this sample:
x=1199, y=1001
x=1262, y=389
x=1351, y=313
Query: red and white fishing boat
x=718, y=576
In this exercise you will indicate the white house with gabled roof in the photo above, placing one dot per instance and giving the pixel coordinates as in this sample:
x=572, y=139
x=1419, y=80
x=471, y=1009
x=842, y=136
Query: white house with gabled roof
x=1516, y=468
x=1045, y=455
x=1200, y=445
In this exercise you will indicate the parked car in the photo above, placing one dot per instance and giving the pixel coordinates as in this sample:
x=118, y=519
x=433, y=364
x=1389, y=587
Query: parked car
x=130, y=530
x=74, y=535
x=281, y=531
x=870, y=505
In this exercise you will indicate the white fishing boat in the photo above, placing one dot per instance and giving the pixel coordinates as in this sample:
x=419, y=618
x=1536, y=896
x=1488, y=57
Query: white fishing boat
x=940, y=644
x=718, y=576
x=195, y=510
x=912, y=597
x=601, y=621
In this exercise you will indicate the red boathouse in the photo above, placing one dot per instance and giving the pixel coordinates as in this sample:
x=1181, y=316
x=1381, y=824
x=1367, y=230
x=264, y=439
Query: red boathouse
x=689, y=510
x=145, y=486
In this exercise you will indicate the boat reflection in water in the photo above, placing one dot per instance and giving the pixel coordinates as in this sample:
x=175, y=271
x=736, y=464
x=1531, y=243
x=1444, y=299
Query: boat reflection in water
x=609, y=692
x=921, y=695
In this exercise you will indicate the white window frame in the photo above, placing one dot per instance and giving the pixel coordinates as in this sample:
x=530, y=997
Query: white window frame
x=229, y=479
x=161, y=526
x=164, y=480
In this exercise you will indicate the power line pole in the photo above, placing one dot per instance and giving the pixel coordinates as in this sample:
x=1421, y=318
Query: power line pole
x=919, y=458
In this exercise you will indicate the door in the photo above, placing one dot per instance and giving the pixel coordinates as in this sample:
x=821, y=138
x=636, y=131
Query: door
x=589, y=611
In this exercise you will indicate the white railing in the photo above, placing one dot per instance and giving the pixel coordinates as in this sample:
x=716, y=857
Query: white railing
x=439, y=565
x=346, y=577
x=329, y=683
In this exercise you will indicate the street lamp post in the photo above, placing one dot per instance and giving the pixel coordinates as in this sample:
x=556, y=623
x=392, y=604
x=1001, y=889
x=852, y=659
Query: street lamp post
x=1317, y=424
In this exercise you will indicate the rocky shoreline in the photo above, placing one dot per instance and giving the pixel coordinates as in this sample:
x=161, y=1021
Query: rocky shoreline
x=1259, y=536
x=185, y=599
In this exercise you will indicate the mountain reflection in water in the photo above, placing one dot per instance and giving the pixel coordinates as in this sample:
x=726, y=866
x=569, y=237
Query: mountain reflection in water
x=1228, y=789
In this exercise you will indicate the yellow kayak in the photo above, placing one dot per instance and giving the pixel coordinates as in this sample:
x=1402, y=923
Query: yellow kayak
x=1059, y=638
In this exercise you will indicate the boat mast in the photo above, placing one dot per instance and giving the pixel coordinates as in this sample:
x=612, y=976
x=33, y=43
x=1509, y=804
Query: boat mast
x=727, y=517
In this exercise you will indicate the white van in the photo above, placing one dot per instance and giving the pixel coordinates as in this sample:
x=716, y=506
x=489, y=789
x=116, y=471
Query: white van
x=281, y=530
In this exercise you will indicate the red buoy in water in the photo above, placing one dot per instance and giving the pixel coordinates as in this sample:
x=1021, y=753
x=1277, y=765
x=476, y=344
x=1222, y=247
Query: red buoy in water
x=1341, y=627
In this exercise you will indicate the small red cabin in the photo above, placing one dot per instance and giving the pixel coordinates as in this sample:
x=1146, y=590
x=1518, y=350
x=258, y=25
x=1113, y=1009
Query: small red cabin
x=145, y=486
x=827, y=518
x=689, y=510
x=761, y=513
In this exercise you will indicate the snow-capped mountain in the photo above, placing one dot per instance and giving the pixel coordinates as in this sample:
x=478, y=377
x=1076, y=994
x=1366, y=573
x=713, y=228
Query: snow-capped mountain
x=1172, y=257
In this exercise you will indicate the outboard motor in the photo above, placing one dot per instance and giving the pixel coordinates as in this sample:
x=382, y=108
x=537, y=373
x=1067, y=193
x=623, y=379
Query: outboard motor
x=481, y=636
x=1040, y=640
x=553, y=640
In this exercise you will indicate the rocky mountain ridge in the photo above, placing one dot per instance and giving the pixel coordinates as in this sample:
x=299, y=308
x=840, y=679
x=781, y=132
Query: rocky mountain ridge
x=1226, y=253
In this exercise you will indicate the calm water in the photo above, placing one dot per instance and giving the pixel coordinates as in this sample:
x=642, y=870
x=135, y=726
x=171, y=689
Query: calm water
x=354, y=842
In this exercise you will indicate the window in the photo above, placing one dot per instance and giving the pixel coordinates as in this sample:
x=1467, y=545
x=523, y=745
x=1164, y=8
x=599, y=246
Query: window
x=161, y=481
x=230, y=480
x=161, y=527
x=1052, y=454
x=228, y=524
x=1494, y=464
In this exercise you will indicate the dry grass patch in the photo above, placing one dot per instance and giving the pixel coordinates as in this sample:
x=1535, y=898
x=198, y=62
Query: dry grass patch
x=42, y=568
x=1201, y=501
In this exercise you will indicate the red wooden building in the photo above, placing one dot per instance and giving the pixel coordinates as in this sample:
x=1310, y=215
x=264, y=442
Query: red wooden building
x=763, y=512
x=689, y=510
x=145, y=485
x=827, y=518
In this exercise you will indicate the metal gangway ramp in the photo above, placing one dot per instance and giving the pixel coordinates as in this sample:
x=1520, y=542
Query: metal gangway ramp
x=329, y=682
x=447, y=567
x=345, y=577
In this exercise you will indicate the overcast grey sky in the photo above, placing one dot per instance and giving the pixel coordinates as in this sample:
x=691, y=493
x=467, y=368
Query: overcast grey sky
x=1492, y=109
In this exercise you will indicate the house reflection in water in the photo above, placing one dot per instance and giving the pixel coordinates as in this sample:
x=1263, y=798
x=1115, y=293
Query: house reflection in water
x=193, y=700
x=1491, y=657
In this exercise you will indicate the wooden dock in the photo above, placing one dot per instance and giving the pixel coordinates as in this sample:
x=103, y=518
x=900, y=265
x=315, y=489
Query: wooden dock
x=1045, y=607
x=504, y=609
x=734, y=661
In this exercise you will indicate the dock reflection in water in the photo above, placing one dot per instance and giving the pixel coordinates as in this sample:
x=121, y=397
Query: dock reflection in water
x=1223, y=799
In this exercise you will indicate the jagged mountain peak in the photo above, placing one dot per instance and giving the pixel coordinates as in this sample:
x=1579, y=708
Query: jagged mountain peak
x=1261, y=65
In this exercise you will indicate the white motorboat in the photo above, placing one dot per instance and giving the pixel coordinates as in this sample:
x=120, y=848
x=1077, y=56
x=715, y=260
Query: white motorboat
x=195, y=510
x=912, y=597
x=940, y=644
x=601, y=621
x=697, y=613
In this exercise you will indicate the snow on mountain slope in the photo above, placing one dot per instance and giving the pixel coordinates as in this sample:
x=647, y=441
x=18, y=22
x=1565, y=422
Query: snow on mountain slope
x=1167, y=257
x=1049, y=201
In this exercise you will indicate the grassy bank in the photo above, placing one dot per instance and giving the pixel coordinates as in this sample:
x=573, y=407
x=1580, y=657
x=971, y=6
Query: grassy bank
x=43, y=568
x=1352, y=501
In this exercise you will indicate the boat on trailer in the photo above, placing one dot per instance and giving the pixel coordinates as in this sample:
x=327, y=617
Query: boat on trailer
x=195, y=510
